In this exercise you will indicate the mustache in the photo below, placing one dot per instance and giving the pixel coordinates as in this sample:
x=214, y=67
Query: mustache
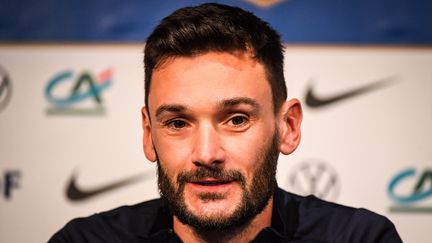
x=216, y=173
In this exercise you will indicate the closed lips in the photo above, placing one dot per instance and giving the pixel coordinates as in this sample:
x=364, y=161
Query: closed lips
x=210, y=182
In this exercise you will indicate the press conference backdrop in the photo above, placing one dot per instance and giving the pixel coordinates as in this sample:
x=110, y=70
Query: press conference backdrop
x=70, y=131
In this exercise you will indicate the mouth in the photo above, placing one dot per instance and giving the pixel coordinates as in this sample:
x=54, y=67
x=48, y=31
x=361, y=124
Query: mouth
x=211, y=185
x=210, y=182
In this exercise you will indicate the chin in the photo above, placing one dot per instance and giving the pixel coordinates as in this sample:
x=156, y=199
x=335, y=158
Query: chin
x=215, y=205
x=215, y=209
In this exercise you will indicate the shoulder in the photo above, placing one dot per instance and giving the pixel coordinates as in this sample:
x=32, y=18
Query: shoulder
x=367, y=226
x=114, y=225
x=332, y=222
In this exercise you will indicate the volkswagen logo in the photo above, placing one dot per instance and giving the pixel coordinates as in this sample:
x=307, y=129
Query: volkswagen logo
x=314, y=177
x=5, y=88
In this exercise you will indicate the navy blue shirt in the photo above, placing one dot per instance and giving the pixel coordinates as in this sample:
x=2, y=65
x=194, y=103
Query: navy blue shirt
x=295, y=219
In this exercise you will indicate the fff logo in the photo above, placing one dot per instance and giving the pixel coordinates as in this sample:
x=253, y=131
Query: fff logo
x=77, y=94
x=410, y=189
x=9, y=182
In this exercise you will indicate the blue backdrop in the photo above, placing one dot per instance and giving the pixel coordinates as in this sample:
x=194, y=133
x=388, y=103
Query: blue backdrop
x=299, y=21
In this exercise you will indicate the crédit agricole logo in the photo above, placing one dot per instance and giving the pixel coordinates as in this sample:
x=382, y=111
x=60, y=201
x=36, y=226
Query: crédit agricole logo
x=411, y=191
x=71, y=94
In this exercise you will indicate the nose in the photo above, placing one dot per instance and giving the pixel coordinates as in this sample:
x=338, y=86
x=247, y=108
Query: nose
x=208, y=149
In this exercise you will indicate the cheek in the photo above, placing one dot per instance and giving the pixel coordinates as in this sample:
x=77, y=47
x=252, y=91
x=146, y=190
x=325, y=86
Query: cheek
x=173, y=154
x=246, y=151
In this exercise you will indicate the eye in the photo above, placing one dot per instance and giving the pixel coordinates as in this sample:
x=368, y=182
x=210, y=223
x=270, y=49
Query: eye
x=176, y=124
x=238, y=121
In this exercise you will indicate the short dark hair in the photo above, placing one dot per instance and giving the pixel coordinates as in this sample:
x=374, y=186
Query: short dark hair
x=192, y=31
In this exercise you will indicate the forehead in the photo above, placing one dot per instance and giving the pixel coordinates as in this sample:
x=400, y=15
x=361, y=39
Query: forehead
x=206, y=79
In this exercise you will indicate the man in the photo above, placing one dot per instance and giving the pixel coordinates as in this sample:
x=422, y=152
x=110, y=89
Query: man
x=215, y=120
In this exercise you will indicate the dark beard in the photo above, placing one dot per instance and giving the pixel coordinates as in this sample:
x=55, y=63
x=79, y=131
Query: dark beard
x=254, y=199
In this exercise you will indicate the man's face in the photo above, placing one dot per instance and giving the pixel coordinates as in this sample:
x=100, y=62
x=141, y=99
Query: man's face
x=213, y=131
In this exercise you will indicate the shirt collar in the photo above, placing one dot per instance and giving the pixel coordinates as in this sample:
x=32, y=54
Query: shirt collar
x=283, y=225
x=284, y=215
x=162, y=227
x=284, y=219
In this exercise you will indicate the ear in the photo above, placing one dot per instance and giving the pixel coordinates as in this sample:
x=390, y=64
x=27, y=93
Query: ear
x=149, y=150
x=289, y=121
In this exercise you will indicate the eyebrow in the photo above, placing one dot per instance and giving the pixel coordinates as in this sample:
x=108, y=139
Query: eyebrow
x=223, y=104
x=173, y=108
x=239, y=101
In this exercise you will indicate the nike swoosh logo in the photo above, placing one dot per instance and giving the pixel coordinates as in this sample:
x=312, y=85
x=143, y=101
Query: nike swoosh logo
x=76, y=193
x=315, y=101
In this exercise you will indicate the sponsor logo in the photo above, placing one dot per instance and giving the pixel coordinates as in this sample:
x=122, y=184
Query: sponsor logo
x=314, y=177
x=5, y=88
x=313, y=100
x=411, y=191
x=80, y=95
x=265, y=3
x=74, y=192
x=9, y=182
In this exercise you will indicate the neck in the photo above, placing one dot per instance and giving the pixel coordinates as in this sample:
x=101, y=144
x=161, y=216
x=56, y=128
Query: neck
x=244, y=234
